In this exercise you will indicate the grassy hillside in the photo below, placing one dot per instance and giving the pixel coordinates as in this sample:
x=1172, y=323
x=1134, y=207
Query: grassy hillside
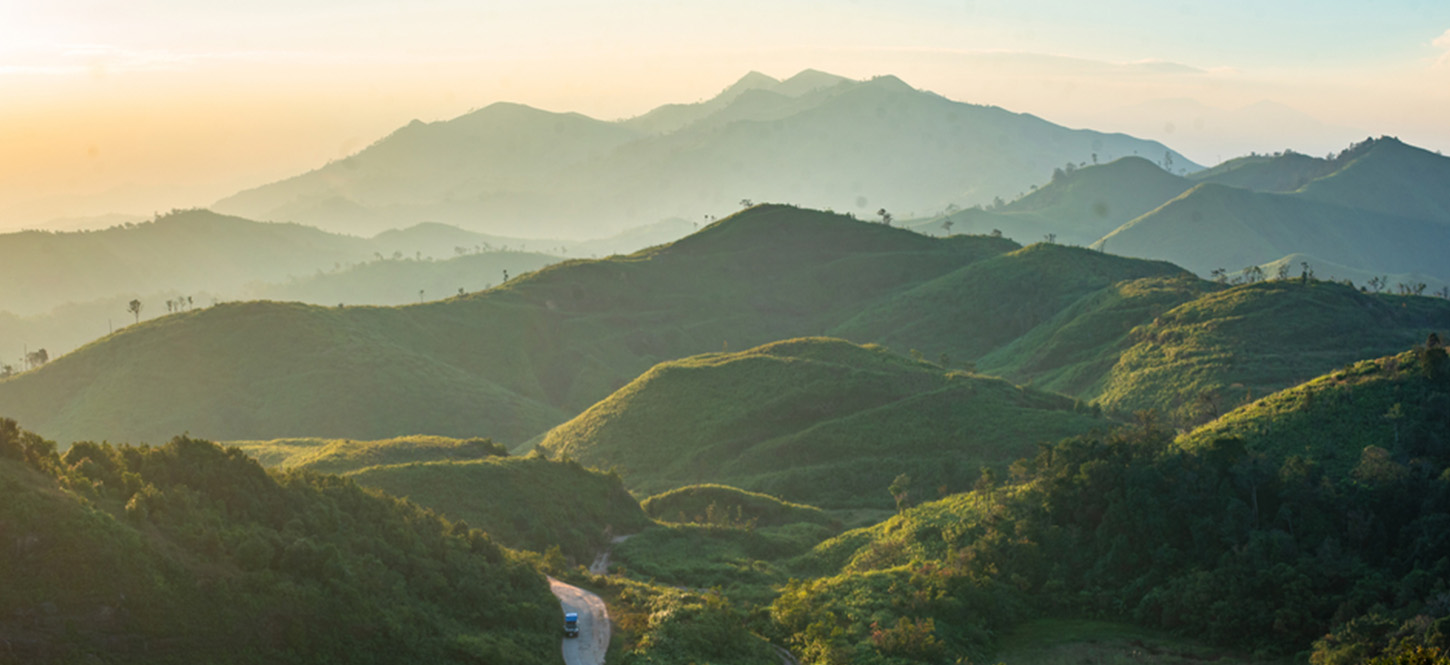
x=1077, y=206
x=513, y=361
x=816, y=420
x=1203, y=357
x=1283, y=172
x=506, y=363
x=266, y=370
x=402, y=282
x=978, y=308
x=725, y=505
x=341, y=456
x=524, y=503
x=1388, y=177
x=189, y=553
x=1073, y=351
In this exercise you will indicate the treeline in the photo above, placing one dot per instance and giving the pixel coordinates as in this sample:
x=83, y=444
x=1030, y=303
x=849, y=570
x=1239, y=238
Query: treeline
x=1264, y=551
x=190, y=552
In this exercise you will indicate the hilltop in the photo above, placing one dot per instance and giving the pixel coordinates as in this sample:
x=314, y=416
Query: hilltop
x=1254, y=339
x=521, y=502
x=815, y=139
x=816, y=420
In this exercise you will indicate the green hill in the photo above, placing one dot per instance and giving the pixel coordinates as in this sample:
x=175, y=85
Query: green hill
x=1397, y=403
x=1306, y=523
x=815, y=420
x=980, y=307
x=525, y=502
x=266, y=370
x=513, y=361
x=1204, y=356
x=189, y=553
x=402, y=282
x=507, y=363
x=1388, y=177
x=191, y=251
x=707, y=504
x=1283, y=172
x=342, y=456
x=1077, y=206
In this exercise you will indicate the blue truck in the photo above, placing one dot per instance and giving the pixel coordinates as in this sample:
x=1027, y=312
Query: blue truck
x=571, y=625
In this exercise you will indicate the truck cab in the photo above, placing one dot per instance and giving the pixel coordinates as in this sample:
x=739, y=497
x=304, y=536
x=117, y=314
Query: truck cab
x=571, y=625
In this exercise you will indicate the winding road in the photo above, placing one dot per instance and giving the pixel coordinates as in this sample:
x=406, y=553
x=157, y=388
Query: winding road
x=593, y=640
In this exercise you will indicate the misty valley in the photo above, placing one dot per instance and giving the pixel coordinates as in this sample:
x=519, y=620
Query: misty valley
x=815, y=371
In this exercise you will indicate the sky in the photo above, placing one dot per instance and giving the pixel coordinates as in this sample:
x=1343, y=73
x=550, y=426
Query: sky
x=147, y=105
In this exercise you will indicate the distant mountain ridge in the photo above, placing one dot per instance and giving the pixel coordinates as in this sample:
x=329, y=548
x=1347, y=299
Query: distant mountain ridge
x=1378, y=208
x=815, y=139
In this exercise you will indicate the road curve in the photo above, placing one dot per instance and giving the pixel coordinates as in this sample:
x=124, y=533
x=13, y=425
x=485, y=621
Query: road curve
x=593, y=640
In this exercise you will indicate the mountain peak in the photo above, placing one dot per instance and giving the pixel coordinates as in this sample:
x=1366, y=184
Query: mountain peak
x=808, y=80
x=751, y=81
x=889, y=82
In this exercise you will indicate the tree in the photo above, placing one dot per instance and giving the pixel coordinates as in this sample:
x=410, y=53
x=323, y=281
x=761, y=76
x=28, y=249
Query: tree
x=900, y=490
x=6, y=371
x=947, y=227
x=885, y=216
x=1050, y=238
x=135, y=309
x=996, y=233
x=37, y=358
x=746, y=203
x=1219, y=275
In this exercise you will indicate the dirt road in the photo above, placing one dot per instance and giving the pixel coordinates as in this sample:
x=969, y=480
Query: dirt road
x=593, y=640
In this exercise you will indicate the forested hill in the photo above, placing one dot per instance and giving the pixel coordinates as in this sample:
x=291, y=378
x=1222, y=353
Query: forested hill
x=1309, y=523
x=515, y=360
x=187, y=553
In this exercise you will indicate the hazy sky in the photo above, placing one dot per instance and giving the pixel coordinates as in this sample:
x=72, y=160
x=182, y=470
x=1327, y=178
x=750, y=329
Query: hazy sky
x=152, y=104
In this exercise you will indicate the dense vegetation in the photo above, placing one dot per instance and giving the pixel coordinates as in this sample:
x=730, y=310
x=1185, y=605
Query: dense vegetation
x=528, y=503
x=190, y=552
x=814, y=420
x=1258, y=545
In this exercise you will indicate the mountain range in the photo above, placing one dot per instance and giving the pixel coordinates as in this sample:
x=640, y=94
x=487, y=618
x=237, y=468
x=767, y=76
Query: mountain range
x=1376, y=209
x=814, y=139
